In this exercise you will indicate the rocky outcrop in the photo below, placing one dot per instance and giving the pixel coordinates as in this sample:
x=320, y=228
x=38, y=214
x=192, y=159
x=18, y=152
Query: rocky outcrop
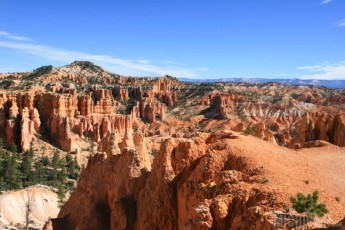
x=105, y=103
x=10, y=132
x=263, y=133
x=121, y=93
x=149, y=110
x=321, y=126
x=107, y=191
x=59, y=114
x=191, y=185
x=339, y=130
x=60, y=132
x=19, y=119
x=110, y=144
x=27, y=130
x=226, y=104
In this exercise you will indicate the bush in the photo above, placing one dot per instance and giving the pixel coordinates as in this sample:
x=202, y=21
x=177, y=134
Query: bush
x=154, y=152
x=309, y=204
x=250, y=129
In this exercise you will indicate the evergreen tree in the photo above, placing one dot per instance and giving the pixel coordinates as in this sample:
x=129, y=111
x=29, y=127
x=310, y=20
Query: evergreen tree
x=71, y=167
x=77, y=168
x=39, y=174
x=14, y=148
x=61, y=194
x=3, y=185
x=55, y=166
x=13, y=174
x=62, y=174
x=45, y=161
x=68, y=159
x=2, y=145
x=309, y=204
x=26, y=168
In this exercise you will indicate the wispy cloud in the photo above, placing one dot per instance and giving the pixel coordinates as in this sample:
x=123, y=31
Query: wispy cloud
x=341, y=22
x=203, y=69
x=143, y=61
x=7, y=35
x=118, y=65
x=325, y=71
x=325, y=2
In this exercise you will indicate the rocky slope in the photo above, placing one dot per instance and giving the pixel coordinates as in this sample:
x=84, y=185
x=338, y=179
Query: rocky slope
x=206, y=182
x=13, y=207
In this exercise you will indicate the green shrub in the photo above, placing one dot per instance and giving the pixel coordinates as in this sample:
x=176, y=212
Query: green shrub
x=250, y=129
x=309, y=204
x=154, y=152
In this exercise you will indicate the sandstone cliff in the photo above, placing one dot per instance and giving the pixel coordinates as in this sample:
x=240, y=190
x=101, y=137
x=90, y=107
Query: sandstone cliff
x=321, y=126
x=191, y=185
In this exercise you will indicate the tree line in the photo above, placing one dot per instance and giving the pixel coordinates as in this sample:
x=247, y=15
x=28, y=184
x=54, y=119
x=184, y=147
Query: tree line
x=23, y=170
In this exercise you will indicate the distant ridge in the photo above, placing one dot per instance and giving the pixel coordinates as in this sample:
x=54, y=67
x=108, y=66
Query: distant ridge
x=333, y=84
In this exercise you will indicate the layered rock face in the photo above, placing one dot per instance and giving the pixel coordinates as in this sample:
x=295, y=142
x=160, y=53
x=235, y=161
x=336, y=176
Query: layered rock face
x=28, y=127
x=19, y=119
x=193, y=184
x=121, y=93
x=153, y=102
x=93, y=114
x=269, y=122
x=228, y=103
x=149, y=109
x=321, y=126
x=59, y=114
x=64, y=112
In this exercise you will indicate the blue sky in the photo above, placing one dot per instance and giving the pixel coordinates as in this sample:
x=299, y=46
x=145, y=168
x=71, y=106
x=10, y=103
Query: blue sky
x=183, y=38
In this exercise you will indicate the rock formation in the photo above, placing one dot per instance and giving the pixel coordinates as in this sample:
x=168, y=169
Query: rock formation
x=27, y=130
x=321, y=126
x=187, y=188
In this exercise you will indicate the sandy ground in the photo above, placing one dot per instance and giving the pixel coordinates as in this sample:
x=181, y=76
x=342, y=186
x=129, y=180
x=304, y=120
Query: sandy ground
x=12, y=207
x=292, y=171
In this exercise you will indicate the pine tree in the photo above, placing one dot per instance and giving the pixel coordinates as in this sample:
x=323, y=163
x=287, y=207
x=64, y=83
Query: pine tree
x=62, y=174
x=45, y=161
x=71, y=167
x=55, y=166
x=68, y=159
x=2, y=145
x=77, y=168
x=26, y=168
x=39, y=174
x=13, y=174
x=14, y=148
x=309, y=204
x=61, y=194
x=3, y=185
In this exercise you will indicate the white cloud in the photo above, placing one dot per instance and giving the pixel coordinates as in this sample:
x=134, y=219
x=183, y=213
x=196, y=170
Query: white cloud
x=203, y=69
x=13, y=37
x=143, y=61
x=341, y=22
x=325, y=2
x=121, y=66
x=325, y=71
